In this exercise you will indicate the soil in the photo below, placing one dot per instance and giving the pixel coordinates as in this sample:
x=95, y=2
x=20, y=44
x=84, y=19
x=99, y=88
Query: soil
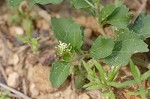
x=27, y=73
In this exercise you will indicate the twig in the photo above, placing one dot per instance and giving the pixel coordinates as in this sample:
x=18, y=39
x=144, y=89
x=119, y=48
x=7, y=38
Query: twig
x=13, y=95
x=137, y=2
x=73, y=87
x=9, y=94
x=140, y=9
x=3, y=71
x=5, y=47
x=24, y=86
x=14, y=91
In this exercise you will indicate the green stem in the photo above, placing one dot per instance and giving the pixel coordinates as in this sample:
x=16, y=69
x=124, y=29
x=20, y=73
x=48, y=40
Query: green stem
x=98, y=18
x=142, y=92
x=90, y=3
x=113, y=72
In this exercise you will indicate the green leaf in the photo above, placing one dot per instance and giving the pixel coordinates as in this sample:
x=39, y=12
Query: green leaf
x=119, y=18
x=14, y=3
x=142, y=92
x=118, y=3
x=80, y=80
x=96, y=1
x=89, y=84
x=67, y=57
x=59, y=73
x=135, y=72
x=108, y=95
x=67, y=31
x=101, y=70
x=27, y=25
x=106, y=11
x=94, y=86
x=102, y=47
x=134, y=93
x=112, y=95
x=124, y=48
x=122, y=85
x=145, y=75
x=88, y=67
x=20, y=38
x=141, y=26
x=32, y=2
x=125, y=34
x=80, y=3
x=112, y=73
x=35, y=44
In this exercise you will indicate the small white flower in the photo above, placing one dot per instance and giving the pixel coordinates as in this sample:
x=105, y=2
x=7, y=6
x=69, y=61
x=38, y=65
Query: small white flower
x=63, y=48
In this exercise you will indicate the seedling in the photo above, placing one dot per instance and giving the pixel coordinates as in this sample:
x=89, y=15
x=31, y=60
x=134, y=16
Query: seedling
x=4, y=95
x=32, y=42
x=139, y=78
x=101, y=80
x=114, y=51
x=22, y=17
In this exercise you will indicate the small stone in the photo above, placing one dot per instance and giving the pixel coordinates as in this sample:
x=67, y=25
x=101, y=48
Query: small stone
x=57, y=95
x=81, y=20
x=42, y=24
x=33, y=90
x=19, y=31
x=13, y=80
x=87, y=32
x=84, y=96
x=16, y=30
x=9, y=70
x=15, y=59
x=44, y=15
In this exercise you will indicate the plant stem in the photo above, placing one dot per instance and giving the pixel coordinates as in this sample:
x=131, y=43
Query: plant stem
x=90, y=3
x=98, y=18
x=14, y=91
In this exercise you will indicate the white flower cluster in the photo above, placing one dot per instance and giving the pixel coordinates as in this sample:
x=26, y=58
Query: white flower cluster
x=63, y=48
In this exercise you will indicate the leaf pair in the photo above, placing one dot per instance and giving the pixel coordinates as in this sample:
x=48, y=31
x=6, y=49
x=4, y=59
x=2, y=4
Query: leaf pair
x=127, y=44
x=136, y=73
x=67, y=31
x=120, y=52
x=141, y=26
x=114, y=15
x=138, y=78
x=95, y=82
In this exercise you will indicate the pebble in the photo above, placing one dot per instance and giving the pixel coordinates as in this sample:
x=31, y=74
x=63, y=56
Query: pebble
x=15, y=59
x=33, y=90
x=87, y=32
x=57, y=95
x=13, y=80
x=16, y=30
x=9, y=70
x=84, y=96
